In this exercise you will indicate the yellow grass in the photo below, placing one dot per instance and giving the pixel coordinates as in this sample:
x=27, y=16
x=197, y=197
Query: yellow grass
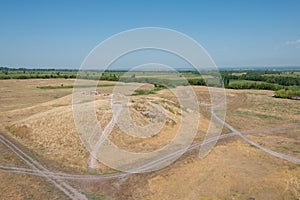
x=43, y=122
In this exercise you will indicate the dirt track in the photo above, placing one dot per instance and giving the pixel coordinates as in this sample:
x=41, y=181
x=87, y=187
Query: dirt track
x=58, y=176
x=71, y=192
x=55, y=175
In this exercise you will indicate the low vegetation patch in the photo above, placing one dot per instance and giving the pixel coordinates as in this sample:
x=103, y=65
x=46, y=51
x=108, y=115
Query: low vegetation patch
x=146, y=92
x=72, y=86
x=286, y=93
x=286, y=83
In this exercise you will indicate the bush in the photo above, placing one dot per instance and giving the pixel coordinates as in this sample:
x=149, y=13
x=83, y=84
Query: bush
x=285, y=93
x=255, y=85
x=197, y=81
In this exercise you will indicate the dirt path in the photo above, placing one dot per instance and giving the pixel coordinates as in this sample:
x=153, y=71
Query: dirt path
x=268, y=151
x=58, y=175
x=107, y=130
x=56, y=178
x=68, y=190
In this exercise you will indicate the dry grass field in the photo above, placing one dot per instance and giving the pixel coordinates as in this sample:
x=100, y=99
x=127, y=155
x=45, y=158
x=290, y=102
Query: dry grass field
x=21, y=186
x=41, y=120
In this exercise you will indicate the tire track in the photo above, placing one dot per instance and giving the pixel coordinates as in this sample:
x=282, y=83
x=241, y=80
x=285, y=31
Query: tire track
x=56, y=177
x=118, y=174
x=60, y=175
x=68, y=190
x=268, y=151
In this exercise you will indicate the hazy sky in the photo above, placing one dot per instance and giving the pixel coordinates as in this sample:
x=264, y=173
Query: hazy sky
x=59, y=34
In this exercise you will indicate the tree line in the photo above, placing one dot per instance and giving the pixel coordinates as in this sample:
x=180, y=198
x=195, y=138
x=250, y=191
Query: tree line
x=261, y=76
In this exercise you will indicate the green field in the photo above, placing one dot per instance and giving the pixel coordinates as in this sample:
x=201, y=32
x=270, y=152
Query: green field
x=287, y=82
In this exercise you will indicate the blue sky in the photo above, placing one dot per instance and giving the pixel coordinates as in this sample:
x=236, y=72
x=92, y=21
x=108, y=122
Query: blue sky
x=60, y=34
